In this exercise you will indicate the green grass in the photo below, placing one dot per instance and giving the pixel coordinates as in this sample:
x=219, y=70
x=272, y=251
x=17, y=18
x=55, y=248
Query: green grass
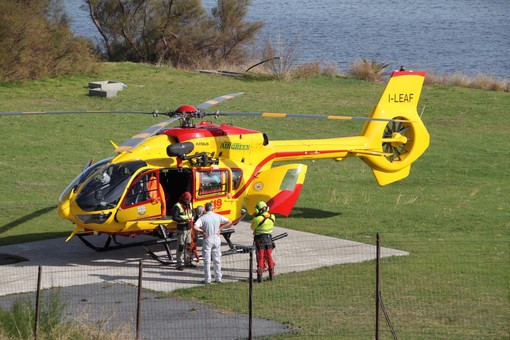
x=451, y=214
x=18, y=322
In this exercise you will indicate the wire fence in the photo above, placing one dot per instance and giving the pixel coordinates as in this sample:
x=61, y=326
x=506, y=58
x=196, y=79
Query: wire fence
x=322, y=290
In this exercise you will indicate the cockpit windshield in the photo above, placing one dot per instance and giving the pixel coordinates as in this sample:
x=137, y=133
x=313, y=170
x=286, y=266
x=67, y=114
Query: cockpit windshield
x=81, y=178
x=105, y=185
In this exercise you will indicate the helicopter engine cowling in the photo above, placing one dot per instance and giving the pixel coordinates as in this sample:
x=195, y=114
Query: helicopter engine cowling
x=179, y=149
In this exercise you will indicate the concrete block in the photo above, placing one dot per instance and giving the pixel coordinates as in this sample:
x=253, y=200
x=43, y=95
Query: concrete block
x=97, y=84
x=107, y=85
x=105, y=88
x=98, y=92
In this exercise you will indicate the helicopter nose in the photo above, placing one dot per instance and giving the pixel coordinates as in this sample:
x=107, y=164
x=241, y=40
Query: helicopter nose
x=64, y=209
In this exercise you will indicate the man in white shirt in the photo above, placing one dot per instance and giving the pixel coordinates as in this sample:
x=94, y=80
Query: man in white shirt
x=209, y=224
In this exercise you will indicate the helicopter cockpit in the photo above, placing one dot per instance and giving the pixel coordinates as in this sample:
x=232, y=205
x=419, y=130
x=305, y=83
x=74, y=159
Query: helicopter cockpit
x=81, y=178
x=105, y=185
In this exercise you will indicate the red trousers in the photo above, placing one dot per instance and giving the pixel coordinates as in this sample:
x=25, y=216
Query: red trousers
x=265, y=256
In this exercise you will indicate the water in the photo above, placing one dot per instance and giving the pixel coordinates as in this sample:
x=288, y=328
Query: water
x=467, y=36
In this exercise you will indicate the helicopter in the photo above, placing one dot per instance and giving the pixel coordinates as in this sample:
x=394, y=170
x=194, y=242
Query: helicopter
x=131, y=193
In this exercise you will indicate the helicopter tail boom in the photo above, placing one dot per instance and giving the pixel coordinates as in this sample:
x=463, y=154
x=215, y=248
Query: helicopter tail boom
x=396, y=144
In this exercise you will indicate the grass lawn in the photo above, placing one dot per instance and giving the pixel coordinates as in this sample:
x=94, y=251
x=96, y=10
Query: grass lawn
x=451, y=214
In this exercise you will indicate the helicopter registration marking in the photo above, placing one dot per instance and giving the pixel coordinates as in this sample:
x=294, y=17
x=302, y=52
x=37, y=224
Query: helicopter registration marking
x=142, y=210
x=400, y=97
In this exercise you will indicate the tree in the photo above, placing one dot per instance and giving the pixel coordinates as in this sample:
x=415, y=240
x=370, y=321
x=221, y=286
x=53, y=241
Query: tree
x=176, y=32
x=36, y=41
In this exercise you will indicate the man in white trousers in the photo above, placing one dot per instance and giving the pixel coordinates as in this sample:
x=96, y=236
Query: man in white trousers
x=209, y=224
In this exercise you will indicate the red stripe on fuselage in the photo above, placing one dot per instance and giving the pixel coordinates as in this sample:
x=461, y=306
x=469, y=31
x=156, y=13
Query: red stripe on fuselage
x=305, y=153
x=252, y=176
x=275, y=156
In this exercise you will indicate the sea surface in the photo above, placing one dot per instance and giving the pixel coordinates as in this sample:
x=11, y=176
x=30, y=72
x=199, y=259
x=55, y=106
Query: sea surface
x=466, y=36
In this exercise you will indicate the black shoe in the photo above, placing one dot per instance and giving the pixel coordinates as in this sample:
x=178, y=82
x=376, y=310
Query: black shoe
x=181, y=268
x=190, y=265
x=259, y=278
x=272, y=277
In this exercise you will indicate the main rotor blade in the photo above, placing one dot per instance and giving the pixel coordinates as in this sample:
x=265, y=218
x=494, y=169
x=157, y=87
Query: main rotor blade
x=137, y=139
x=217, y=100
x=27, y=113
x=310, y=116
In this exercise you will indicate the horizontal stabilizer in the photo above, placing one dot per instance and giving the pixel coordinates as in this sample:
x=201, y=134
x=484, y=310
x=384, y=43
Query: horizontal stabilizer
x=384, y=178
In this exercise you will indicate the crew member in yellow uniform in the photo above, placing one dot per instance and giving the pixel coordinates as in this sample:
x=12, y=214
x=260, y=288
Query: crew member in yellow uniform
x=182, y=213
x=262, y=226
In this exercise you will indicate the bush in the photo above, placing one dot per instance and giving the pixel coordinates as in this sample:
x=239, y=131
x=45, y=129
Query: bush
x=484, y=82
x=36, y=42
x=177, y=33
x=365, y=70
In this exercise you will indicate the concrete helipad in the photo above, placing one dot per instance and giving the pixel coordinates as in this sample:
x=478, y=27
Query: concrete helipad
x=70, y=264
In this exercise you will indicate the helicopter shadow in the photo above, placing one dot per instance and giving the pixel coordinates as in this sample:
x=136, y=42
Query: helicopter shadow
x=306, y=213
x=26, y=218
x=302, y=212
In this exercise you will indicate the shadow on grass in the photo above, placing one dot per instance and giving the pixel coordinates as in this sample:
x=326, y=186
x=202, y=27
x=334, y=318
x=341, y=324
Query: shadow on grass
x=313, y=213
x=26, y=218
x=28, y=237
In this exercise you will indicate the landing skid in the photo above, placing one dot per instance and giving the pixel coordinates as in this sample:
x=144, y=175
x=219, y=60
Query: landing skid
x=165, y=241
x=159, y=258
x=164, y=234
x=117, y=245
x=227, y=233
x=239, y=249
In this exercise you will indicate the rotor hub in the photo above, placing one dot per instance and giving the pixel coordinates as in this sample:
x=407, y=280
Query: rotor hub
x=398, y=139
x=186, y=109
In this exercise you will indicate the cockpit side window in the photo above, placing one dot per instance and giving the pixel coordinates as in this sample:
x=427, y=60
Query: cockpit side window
x=237, y=176
x=141, y=189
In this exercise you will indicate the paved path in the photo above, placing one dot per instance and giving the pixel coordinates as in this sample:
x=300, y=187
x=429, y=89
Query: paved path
x=73, y=264
x=102, y=285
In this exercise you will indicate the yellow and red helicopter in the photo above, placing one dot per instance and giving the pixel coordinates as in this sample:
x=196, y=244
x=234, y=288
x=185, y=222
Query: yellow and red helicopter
x=233, y=167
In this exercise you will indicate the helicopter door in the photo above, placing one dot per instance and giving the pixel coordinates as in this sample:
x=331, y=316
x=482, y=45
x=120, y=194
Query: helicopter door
x=145, y=198
x=279, y=187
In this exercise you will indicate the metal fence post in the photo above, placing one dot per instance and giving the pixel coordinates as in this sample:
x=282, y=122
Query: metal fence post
x=37, y=302
x=139, y=302
x=378, y=285
x=250, y=300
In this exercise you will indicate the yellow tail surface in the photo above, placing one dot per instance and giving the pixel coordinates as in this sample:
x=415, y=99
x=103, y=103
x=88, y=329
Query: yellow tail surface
x=402, y=141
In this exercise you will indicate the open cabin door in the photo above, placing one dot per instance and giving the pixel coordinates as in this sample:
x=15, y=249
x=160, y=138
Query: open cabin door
x=279, y=187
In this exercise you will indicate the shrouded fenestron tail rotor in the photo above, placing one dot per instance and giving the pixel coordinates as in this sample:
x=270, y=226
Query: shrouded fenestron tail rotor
x=398, y=139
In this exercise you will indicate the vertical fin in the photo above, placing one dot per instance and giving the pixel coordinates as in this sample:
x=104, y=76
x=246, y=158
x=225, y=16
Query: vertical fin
x=407, y=140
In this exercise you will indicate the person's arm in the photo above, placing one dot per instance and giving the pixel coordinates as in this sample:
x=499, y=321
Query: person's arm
x=176, y=215
x=198, y=228
x=254, y=224
x=225, y=223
